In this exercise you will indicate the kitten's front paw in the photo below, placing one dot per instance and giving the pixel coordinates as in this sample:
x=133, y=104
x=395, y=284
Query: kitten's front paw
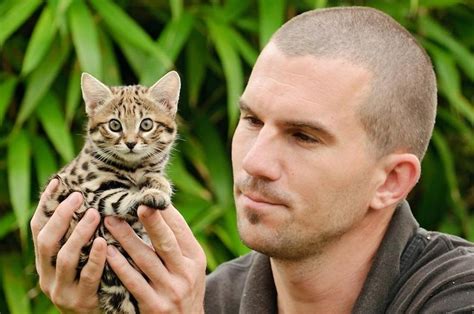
x=155, y=199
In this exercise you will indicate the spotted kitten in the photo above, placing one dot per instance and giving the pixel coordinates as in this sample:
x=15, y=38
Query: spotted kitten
x=130, y=132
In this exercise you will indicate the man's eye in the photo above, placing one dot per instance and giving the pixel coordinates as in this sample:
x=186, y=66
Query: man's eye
x=253, y=121
x=302, y=137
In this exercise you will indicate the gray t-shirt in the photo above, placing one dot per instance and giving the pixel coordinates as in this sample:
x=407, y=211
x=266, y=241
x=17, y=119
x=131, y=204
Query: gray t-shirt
x=414, y=271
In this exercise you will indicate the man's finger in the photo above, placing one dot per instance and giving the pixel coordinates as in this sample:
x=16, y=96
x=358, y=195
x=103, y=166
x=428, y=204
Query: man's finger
x=49, y=237
x=91, y=274
x=129, y=276
x=190, y=247
x=38, y=221
x=69, y=254
x=162, y=238
x=140, y=252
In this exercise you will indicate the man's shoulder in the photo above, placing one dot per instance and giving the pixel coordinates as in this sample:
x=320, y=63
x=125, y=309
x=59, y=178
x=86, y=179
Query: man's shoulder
x=431, y=249
x=437, y=273
x=225, y=285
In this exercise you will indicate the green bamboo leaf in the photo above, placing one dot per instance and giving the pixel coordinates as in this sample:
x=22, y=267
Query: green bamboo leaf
x=450, y=226
x=7, y=89
x=19, y=180
x=54, y=124
x=126, y=30
x=8, y=223
x=230, y=218
x=6, y=5
x=248, y=24
x=175, y=34
x=53, y=310
x=438, y=3
x=230, y=237
x=190, y=206
x=208, y=218
x=110, y=64
x=463, y=106
x=15, y=17
x=85, y=38
x=172, y=39
x=185, y=182
x=194, y=152
x=45, y=161
x=41, y=79
x=212, y=262
x=41, y=40
x=15, y=284
x=432, y=207
x=447, y=159
x=449, y=81
x=271, y=15
x=176, y=8
x=196, y=49
x=232, y=68
x=73, y=96
x=470, y=232
x=247, y=51
x=141, y=63
x=439, y=34
x=63, y=7
x=232, y=10
x=448, y=75
x=41, y=304
x=459, y=125
x=320, y=4
x=217, y=161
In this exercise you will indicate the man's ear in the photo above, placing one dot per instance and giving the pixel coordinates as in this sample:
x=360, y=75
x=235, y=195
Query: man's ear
x=400, y=173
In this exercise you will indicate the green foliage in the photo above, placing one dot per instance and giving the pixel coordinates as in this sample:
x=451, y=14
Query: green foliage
x=45, y=45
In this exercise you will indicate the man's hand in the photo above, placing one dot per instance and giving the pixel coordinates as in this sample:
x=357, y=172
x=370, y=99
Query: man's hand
x=174, y=265
x=60, y=284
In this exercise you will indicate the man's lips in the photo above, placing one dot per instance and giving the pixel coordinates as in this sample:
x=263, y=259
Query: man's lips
x=257, y=198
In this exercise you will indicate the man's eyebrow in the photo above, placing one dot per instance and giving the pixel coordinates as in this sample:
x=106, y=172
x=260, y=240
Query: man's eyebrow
x=244, y=107
x=313, y=126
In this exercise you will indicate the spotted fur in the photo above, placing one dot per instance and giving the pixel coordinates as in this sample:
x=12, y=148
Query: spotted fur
x=120, y=168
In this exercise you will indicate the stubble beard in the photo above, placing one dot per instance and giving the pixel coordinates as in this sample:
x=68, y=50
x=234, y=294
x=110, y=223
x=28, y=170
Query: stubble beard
x=290, y=244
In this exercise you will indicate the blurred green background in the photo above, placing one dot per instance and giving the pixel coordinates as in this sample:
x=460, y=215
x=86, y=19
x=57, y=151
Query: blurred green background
x=45, y=45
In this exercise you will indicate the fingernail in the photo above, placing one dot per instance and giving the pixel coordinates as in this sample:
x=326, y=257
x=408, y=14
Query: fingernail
x=111, y=251
x=113, y=221
x=145, y=211
x=53, y=184
x=74, y=198
x=90, y=217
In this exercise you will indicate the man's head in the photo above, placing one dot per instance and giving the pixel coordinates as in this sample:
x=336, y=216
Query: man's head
x=325, y=142
x=399, y=113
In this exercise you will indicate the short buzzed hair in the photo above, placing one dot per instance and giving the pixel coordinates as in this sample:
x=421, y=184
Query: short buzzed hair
x=399, y=112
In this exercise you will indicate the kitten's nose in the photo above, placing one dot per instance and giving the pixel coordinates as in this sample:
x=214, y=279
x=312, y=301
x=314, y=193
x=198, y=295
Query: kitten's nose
x=131, y=145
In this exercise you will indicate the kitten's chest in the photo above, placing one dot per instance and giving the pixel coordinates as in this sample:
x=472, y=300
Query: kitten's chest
x=93, y=178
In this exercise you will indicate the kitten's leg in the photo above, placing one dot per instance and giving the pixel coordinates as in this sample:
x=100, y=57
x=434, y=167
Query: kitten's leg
x=156, y=192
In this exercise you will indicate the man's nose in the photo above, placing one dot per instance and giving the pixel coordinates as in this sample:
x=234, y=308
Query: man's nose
x=264, y=157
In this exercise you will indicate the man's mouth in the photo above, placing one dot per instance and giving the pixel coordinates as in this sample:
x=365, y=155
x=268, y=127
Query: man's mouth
x=255, y=197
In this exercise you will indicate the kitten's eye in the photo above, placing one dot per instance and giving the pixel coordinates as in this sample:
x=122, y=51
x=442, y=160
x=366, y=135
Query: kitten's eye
x=115, y=125
x=146, y=124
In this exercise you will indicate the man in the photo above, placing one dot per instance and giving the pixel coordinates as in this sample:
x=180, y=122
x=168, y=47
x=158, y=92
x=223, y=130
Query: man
x=335, y=120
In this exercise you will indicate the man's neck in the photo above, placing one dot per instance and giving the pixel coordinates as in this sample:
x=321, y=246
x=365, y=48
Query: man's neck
x=331, y=281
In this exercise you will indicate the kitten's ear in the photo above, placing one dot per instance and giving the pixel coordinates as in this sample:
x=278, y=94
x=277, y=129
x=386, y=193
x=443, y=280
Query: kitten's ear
x=165, y=92
x=94, y=92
